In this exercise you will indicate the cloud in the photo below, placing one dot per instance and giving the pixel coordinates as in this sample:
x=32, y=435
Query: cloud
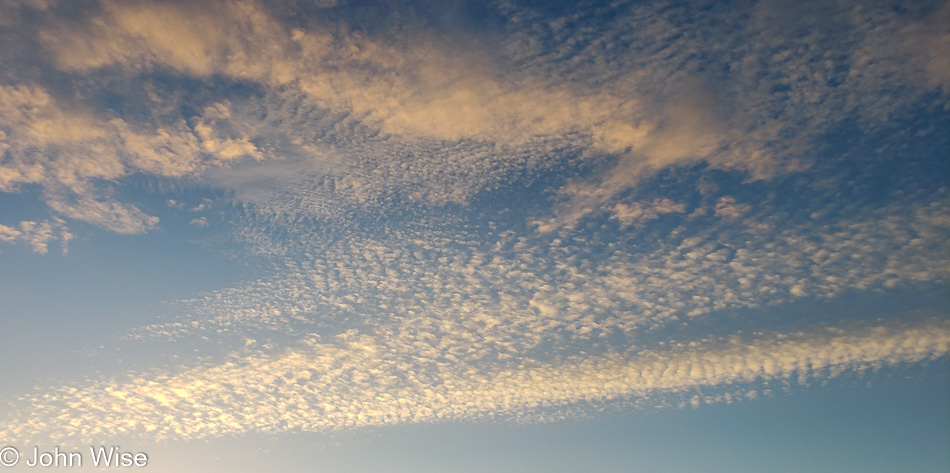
x=628, y=214
x=37, y=235
x=108, y=213
x=12, y=9
x=414, y=88
x=897, y=54
x=792, y=75
x=420, y=92
x=528, y=291
x=341, y=140
x=729, y=209
x=74, y=154
x=354, y=380
x=359, y=119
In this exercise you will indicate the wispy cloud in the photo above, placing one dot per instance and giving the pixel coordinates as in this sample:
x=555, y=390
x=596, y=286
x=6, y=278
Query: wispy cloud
x=37, y=235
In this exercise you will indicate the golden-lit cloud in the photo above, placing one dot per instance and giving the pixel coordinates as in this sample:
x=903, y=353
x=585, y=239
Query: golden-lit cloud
x=37, y=235
x=72, y=152
x=630, y=112
x=353, y=158
x=408, y=329
x=353, y=380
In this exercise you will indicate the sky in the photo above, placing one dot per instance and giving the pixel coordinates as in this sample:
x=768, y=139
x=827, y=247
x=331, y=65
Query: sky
x=463, y=236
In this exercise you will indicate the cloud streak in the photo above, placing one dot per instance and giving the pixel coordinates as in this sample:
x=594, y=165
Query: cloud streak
x=353, y=380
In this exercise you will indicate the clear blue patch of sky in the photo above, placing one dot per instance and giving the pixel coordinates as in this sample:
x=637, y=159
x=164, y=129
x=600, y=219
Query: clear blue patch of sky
x=57, y=309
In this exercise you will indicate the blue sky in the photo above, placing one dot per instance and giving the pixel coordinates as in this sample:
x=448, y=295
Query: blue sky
x=477, y=236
